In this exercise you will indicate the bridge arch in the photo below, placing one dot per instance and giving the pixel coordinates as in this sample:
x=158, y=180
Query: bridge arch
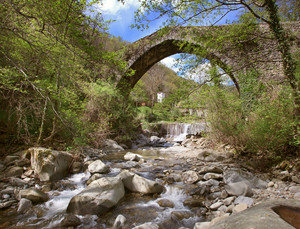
x=258, y=51
x=162, y=50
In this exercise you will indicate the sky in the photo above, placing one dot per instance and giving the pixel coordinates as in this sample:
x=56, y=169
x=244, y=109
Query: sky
x=123, y=17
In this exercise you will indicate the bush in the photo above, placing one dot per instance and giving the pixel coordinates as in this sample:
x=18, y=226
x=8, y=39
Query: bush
x=260, y=120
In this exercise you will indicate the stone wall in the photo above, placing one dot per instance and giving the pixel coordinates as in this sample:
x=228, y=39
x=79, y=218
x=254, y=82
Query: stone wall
x=258, y=50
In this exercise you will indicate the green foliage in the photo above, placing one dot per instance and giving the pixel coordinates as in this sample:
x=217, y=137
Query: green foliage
x=259, y=121
x=51, y=55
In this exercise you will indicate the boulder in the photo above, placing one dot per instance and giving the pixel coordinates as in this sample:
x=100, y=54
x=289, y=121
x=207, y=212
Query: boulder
x=275, y=214
x=190, y=177
x=98, y=167
x=98, y=197
x=132, y=157
x=111, y=145
x=240, y=183
x=33, y=194
x=236, y=175
x=239, y=189
x=49, y=164
x=136, y=183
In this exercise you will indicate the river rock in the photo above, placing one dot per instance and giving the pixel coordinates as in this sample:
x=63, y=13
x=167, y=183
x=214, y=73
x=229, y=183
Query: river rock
x=94, y=177
x=165, y=203
x=136, y=183
x=191, y=202
x=50, y=165
x=264, y=216
x=10, y=158
x=24, y=205
x=180, y=215
x=202, y=225
x=17, y=182
x=239, y=189
x=239, y=207
x=76, y=167
x=210, y=169
x=70, y=220
x=216, y=205
x=33, y=194
x=132, y=157
x=190, y=177
x=14, y=172
x=216, y=176
x=98, y=167
x=98, y=197
x=210, y=155
x=147, y=226
x=240, y=183
x=2, y=167
x=7, y=204
x=244, y=200
x=237, y=175
x=294, y=189
x=119, y=222
x=229, y=200
x=111, y=145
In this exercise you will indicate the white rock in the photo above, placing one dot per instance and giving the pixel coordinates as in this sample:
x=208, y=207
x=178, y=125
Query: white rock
x=147, y=226
x=201, y=225
x=240, y=207
x=132, y=156
x=216, y=176
x=136, y=183
x=216, y=205
x=119, y=222
x=50, y=164
x=98, y=167
x=98, y=197
x=244, y=200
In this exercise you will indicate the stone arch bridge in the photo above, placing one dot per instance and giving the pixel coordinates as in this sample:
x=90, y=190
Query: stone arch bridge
x=232, y=47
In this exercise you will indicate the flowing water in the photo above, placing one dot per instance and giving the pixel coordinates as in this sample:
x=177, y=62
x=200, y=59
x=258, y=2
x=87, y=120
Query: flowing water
x=178, y=131
x=137, y=208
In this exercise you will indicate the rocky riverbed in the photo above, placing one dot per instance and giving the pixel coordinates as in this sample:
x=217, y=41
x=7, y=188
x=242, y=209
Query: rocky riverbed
x=188, y=185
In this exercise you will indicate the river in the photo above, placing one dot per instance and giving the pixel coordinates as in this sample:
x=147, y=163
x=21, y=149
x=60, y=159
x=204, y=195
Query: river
x=137, y=208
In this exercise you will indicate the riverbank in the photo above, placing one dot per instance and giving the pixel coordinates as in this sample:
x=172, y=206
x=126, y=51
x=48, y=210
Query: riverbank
x=202, y=183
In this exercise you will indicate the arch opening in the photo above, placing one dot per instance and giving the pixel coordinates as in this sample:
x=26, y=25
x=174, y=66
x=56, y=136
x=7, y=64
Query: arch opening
x=141, y=64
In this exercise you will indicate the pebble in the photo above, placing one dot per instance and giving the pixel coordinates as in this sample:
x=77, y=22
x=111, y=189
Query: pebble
x=216, y=205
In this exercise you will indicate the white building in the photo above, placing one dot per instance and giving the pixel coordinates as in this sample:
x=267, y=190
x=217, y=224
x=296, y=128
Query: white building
x=160, y=97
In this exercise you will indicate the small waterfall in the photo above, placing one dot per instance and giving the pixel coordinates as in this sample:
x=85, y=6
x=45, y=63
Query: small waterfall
x=178, y=131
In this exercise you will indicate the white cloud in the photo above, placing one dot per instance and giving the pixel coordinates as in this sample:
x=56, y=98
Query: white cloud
x=113, y=7
x=170, y=63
